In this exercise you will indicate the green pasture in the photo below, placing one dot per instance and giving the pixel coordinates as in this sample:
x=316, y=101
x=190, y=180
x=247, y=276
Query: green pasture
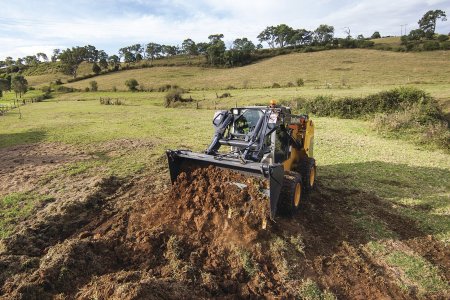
x=348, y=152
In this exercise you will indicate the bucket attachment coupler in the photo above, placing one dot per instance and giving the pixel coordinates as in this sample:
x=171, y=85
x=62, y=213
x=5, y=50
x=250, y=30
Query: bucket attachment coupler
x=183, y=161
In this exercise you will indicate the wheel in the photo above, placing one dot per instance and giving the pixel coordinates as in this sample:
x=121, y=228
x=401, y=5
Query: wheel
x=308, y=173
x=291, y=194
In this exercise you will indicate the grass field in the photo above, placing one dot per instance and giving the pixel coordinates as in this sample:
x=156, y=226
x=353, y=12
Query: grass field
x=390, y=41
x=343, y=146
x=384, y=198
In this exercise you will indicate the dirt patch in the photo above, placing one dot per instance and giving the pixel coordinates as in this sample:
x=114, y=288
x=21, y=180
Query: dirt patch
x=202, y=238
x=21, y=167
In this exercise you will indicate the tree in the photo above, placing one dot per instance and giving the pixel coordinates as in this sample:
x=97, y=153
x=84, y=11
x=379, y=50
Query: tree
x=96, y=69
x=323, y=34
x=168, y=50
x=189, y=47
x=91, y=53
x=94, y=85
x=127, y=54
x=428, y=22
x=283, y=34
x=102, y=55
x=153, y=50
x=55, y=55
x=131, y=84
x=301, y=37
x=9, y=61
x=268, y=35
x=416, y=34
x=31, y=60
x=5, y=85
x=42, y=55
x=114, y=61
x=216, y=49
x=103, y=63
x=19, y=84
x=348, y=32
x=19, y=62
x=202, y=47
x=71, y=59
x=376, y=35
x=244, y=45
x=280, y=35
x=103, y=59
x=240, y=52
x=137, y=50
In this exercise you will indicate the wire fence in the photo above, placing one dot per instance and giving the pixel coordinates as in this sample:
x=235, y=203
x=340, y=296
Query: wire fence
x=4, y=108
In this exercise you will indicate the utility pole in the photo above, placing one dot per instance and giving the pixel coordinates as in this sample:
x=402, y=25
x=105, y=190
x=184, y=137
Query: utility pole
x=401, y=30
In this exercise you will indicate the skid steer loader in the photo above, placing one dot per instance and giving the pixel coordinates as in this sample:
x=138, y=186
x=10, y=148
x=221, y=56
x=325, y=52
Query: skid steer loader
x=265, y=141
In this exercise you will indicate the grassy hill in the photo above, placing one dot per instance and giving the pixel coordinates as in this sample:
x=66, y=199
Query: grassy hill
x=357, y=70
x=390, y=41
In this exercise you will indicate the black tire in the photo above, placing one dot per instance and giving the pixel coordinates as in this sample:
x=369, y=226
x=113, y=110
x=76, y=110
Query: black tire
x=291, y=194
x=308, y=172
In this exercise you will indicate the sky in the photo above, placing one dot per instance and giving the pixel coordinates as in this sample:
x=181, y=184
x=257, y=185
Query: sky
x=29, y=26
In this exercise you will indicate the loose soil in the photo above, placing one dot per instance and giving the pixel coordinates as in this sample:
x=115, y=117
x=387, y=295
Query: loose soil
x=200, y=238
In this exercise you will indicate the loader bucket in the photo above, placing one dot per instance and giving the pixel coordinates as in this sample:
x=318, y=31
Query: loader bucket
x=182, y=160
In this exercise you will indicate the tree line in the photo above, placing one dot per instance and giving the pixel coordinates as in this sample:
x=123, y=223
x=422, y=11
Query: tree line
x=426, y=32
x=241, y=51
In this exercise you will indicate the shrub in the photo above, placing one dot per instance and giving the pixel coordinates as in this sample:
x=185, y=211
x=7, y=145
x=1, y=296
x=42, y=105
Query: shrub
x=86, y=89
x=383, y=102
x=64, y=89
x=42, y=97
x=58, y=81
x=290, y=84
x=94, y=85
x=46, y=89
x=405, y=111
x=225, y=95
x=131, y=84
x=167, y=87
x=114, y=89
x=442, y=38
x=300, y=82
x=431, y=45
x=417, y=123
x=110, y=101
x=445, y=45
x=276, y=85
x=175, y=95
x=96, y=69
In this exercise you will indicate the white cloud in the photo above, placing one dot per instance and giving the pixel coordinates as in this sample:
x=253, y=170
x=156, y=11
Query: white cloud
x=110, y=25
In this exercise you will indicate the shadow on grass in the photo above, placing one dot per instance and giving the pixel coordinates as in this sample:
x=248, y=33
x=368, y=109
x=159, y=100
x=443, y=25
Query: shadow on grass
x=27, y=137
x=362, y=202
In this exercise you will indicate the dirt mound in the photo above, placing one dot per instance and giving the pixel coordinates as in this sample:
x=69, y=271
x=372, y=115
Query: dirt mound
x=202, y=238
